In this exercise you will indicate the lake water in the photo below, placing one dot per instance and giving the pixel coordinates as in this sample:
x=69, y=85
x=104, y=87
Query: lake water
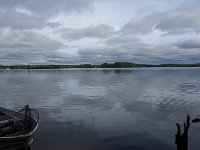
x=106, y=109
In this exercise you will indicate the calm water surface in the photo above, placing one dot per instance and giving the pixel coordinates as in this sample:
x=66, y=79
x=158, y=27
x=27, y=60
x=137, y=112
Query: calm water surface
x=106, y=109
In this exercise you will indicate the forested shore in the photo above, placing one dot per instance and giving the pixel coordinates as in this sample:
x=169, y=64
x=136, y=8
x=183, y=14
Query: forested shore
x=104, y=65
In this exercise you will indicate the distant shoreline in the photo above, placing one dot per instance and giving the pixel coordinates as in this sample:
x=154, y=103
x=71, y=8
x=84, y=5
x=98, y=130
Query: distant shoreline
x=105, y=65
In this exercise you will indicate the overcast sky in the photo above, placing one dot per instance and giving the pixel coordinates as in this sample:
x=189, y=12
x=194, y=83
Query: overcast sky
x=98, y=31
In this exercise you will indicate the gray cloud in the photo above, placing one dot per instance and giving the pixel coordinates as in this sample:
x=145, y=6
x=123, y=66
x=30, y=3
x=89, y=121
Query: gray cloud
x=180, y=20
x=17, y=20
x=175, y=32
x=33, y=14
x=122, y=39
x=140, y=53
x=142, y=26
x=27, y=47
x=28, y=40
x=134, y=41
x=47, y=7
x=99, y=31
x=190, y=43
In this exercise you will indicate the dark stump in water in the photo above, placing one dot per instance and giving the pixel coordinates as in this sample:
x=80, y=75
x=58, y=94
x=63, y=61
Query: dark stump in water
x=182, y=138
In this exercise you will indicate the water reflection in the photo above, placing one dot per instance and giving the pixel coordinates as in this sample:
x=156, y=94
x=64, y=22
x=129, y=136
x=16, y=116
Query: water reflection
x=12, y=146
x=24, y=148
x=106, y=109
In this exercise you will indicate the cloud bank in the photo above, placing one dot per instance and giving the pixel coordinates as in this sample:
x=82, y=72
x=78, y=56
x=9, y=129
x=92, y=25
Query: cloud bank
x=99, y=31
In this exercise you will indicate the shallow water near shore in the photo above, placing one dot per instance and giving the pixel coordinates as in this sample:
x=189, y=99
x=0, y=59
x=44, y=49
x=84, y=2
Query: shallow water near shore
x=106, y=109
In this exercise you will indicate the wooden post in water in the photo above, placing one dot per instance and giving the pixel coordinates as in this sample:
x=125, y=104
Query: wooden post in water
x=182, y=138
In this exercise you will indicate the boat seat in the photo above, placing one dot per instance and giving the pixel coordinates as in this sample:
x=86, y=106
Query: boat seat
x=4, y=123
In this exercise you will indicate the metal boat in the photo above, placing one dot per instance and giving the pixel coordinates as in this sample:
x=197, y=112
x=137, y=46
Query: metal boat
x=17, y=127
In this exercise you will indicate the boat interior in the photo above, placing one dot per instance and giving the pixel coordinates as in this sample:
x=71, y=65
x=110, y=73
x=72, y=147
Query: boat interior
x=17, y=123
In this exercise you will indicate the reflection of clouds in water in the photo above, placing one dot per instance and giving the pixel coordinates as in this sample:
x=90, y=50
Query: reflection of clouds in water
x=82, y=136
x=171, y=96
x=112, y=103
x=75, y=89
x=161, y=88
x=99, y=103
x=22, y=87
x=190, y=88
x=112, y=123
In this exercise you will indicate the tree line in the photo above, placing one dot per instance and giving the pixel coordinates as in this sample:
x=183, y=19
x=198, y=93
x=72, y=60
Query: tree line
x=104, y=65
